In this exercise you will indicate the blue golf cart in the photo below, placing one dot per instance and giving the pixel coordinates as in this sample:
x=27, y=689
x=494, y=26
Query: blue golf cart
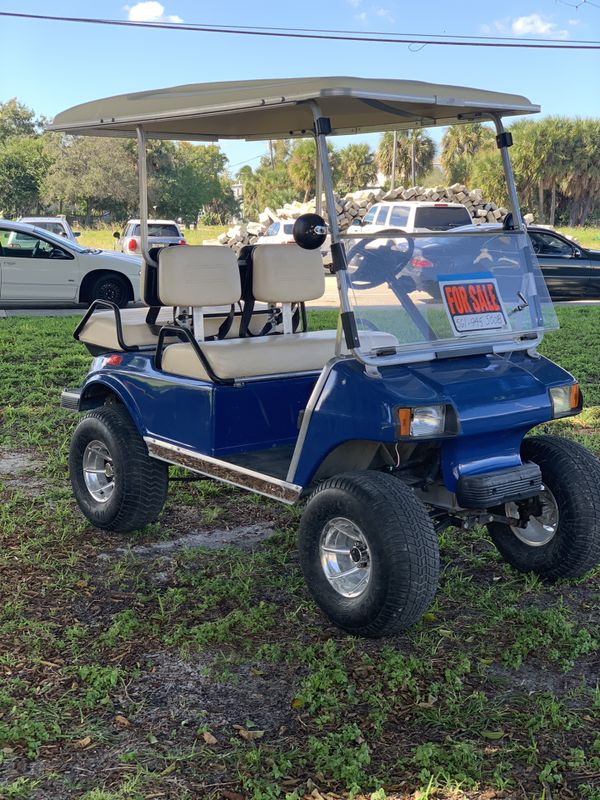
x=410, y=417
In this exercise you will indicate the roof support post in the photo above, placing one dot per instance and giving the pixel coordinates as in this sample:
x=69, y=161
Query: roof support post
x=504, y=141
x=143, y=192
x=322, y=127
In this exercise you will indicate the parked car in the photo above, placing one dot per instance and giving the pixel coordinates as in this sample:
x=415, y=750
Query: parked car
x=57, y=225
x=281, y=232
x=570, y=271
x=39, y=267
x=161, y=232
x=411, y=217
x=278, y=232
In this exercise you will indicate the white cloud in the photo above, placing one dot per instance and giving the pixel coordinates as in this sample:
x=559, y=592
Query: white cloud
x=362, y=17
x=384, y=12
x=150, y=11
x=355, y=3
x=574, y=22
x=538, y=26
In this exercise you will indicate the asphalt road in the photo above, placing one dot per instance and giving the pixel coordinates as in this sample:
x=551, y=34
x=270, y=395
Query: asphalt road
x=329, y=300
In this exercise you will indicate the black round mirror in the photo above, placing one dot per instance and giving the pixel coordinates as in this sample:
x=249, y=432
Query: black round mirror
x=508, y=223
x=310, y=231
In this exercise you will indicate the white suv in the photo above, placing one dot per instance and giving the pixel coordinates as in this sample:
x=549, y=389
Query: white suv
x=411, y=217
x=161, y=233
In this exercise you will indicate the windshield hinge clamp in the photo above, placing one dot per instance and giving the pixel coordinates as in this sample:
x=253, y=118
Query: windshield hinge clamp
x=322, y=126
x=504, y=139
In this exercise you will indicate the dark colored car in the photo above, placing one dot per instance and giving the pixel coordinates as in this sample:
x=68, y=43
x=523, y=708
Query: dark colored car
x=571, y=271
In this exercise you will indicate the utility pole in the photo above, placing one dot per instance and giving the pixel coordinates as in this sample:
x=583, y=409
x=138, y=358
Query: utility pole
x=271, y=153
x=394, y=152
x=413, y=159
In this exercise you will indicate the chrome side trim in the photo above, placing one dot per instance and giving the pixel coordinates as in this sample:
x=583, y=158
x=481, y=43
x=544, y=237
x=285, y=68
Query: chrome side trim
x=224, y=471
x=308, y=412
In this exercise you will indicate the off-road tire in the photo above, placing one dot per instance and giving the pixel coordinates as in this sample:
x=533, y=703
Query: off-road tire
x=111, y=287
x=572, y=474
x=140, y=482
x=403, y=551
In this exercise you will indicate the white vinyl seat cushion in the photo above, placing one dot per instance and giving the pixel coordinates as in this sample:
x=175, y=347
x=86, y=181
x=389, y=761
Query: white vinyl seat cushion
x=287, y=273
x=263, y=355
x=101, y=328
x=198, y=275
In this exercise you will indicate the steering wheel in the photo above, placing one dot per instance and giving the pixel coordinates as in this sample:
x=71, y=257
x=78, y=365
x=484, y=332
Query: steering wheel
x=380, y=264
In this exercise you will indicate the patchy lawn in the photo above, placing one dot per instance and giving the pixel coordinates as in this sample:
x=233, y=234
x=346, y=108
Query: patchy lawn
x=187, y=661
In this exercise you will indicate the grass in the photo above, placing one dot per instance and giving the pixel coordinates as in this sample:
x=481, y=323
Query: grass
x=131, y=675
x=587, y=237
x=103, y=237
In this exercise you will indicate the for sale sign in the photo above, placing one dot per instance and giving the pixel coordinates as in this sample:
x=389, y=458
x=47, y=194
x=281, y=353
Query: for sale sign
x=473, y=303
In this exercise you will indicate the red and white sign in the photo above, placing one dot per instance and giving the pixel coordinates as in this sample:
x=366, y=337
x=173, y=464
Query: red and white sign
x=473, y=303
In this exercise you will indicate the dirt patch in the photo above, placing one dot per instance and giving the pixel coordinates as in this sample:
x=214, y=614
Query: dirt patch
x=176, y=691
x=20, y=470
x=246, y=537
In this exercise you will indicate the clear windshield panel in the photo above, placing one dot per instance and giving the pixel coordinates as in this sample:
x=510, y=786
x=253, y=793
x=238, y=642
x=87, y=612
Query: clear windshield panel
x=446, y=291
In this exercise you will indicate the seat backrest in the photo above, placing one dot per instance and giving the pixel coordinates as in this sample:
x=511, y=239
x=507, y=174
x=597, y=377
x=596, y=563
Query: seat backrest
x=198, y=276
x=287, y=274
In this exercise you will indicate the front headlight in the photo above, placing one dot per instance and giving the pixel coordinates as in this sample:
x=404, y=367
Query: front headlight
x=422, y=421
x=565, y=399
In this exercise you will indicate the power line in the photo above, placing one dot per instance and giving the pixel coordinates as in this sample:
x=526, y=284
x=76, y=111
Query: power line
x=306, y=33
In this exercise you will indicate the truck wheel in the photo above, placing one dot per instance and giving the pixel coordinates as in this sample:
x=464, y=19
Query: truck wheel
x=369, y=553
x=111, y=287
x=117, y=485
x=563, y=539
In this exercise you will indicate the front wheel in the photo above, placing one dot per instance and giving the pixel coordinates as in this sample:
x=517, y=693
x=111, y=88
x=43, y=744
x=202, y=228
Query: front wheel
x=560, y=534
x=118, y=487
x=369, y=553
x=111, y=287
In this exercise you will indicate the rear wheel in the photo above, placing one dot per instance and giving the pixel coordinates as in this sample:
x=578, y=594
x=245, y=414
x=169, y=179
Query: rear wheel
x=369, y=553
x=116, y=484
x=111, y=287
x=561, y=536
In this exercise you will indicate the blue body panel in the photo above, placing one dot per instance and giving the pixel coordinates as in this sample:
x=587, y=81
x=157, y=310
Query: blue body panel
x=211, y=419
x=497, y=399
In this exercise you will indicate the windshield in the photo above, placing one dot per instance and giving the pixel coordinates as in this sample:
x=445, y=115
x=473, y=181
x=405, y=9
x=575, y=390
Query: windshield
x=441, y=218
x=453, y=291
x=61, y=241
x=159, y=229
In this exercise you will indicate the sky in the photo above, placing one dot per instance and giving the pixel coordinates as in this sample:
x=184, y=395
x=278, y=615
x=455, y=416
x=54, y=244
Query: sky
x=51, y=66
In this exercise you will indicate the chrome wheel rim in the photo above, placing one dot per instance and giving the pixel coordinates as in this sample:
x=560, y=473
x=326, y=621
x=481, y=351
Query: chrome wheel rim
x=345, y=557
x=540, y=529
x=98, y=471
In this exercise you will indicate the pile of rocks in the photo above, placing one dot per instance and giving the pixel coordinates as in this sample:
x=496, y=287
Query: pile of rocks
x=355, y=205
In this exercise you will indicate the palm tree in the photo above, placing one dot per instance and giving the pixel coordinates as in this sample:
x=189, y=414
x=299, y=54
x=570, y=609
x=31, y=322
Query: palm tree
x=460, y=144
x=424, y=148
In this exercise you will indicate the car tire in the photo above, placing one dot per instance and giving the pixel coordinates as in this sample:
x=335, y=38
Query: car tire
x=111, y=287
x=369, y=521
x=564, y=540
x=118, y=487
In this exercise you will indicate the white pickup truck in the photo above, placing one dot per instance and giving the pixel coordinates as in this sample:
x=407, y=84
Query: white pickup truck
x=412, y=217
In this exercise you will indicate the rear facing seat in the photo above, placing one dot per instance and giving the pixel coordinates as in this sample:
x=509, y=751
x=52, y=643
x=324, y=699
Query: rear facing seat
x=100, y=330
x=281, y=274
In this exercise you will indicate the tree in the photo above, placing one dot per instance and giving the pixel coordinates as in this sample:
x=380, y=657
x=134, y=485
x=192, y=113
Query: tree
x=23, y=165
x=424, y=154
x=355, y=167
x=301, y=167
x=460, y=144
x=192, y=183
x=93, y=174
x=265, y=187
x=16, y=119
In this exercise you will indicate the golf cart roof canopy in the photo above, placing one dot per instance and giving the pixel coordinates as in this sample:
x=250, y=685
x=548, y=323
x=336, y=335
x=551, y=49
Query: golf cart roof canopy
x=278, y=108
